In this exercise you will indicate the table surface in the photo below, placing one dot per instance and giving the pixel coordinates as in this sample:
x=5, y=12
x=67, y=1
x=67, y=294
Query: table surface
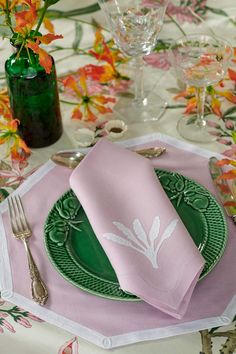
x=33, y=336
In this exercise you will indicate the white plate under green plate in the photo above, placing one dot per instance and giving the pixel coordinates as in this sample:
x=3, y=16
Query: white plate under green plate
x=77, y=255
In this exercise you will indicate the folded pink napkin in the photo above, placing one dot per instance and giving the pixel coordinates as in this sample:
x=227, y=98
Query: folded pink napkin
x=147, y=244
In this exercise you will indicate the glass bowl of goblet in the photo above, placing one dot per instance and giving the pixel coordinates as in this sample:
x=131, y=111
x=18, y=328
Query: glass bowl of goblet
x=199, y=61
x=135, y=26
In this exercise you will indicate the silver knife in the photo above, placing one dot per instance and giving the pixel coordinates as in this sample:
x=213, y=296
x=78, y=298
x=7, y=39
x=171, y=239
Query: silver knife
x=226, y=195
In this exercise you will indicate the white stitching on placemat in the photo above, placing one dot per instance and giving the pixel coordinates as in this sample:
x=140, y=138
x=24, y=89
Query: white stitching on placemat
x=108, y=342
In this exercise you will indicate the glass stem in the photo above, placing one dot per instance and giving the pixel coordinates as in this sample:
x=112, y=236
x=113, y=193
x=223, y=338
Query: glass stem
x=139, y=92
x=200, y=96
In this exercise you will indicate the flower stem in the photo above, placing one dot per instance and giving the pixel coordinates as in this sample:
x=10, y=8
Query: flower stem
x=77, y=12
x=21, y=47
x=170, y=106
x=66, y=57
x=176, y=23
x=69, y=102
x=201, y=20
x=29, y=56
x=6, y=311
x=44, y=10
x=8, y=17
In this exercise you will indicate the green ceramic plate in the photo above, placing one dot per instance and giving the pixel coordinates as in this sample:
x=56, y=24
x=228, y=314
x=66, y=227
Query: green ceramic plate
x=77, y=255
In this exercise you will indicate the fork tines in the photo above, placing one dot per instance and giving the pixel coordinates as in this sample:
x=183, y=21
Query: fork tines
x=17, y=216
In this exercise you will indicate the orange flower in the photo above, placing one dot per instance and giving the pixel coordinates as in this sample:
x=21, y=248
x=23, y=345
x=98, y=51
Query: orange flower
x=189, y=92
x=96, y=72
x=189, y=95
x=20, y=151
x=7, y=129
x=45, y=59
x=231, y=174
x=48, y=38
x=212, y=99
x=206, y=60
x=232, y=74
x=25, y=22
x=234, y=60
x=88, y=105
x=230, y=204
x=10, y=136
x=37, y=3
x=191, y=105
x=5, y=105
x=102, y=52
x=224, y=162
x=216, y=106
x=100, y=73
x=11, y=4
x=48, y=25
x=227, y=94
x=26, y=19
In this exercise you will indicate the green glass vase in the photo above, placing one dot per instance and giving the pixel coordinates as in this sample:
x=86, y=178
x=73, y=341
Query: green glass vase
x=34, y=99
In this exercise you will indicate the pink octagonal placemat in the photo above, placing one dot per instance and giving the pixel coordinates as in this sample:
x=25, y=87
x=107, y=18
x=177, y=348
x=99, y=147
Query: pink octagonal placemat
x=110, y=323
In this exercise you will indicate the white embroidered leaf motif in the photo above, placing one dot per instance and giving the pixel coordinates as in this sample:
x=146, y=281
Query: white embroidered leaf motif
x=124, y=230
x=167, y=233
x=117, y=239
x=139, y=231
x=154, y=232
x=120, y=240
x=134, y=241
x=127, y=232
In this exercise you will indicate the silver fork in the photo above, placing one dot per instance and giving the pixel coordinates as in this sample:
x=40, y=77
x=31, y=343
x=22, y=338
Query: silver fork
x=22, y=231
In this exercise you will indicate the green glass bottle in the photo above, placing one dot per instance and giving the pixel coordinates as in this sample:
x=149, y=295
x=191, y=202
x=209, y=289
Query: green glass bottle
x=34, y=99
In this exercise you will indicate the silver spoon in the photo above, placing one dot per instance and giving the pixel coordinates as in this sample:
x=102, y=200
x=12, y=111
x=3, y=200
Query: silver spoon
x=72, y=158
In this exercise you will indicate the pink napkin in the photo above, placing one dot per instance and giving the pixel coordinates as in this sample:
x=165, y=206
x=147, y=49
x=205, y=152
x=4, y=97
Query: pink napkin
x=147, y=244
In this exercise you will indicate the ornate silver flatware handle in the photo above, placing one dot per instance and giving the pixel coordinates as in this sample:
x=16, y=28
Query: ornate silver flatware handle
x=22, y=231
x=38, y=288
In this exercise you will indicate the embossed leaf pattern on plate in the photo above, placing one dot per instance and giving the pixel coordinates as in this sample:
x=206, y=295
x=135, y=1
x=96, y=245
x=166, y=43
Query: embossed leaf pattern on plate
x=181, y=189
x=62, y=219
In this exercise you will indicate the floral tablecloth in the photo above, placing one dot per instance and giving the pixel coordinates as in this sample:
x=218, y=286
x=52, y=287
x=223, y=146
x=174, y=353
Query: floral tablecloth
x=21, y=331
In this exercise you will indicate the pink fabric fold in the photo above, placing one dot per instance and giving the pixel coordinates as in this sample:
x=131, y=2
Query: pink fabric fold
x=150, y=249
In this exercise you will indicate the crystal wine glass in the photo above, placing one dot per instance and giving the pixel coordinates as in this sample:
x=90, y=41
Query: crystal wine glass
x=135, y=26
x=199, y=61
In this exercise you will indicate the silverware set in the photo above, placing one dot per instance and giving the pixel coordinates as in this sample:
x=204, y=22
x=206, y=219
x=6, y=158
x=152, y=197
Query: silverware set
x=72, y=158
